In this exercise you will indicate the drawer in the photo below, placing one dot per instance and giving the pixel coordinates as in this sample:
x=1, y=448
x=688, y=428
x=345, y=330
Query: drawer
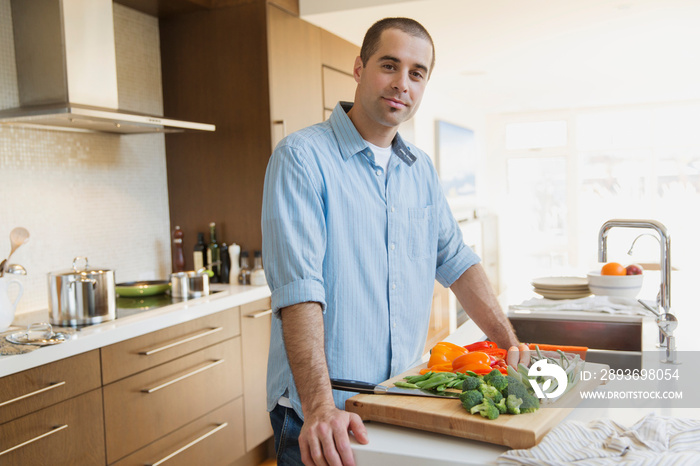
x=153, y=403
x=137, y=354
x=68, y=433
x=42, y=386
x=215, y=439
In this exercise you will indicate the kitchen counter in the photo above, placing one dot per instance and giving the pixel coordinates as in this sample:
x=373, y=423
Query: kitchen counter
x=124, y=328
x=398, y=445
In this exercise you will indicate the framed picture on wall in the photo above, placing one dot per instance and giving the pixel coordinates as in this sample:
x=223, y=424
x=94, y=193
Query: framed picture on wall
x=456, y=161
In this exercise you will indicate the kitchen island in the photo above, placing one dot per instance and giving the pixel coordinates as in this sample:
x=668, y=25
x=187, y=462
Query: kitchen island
x=391, y=444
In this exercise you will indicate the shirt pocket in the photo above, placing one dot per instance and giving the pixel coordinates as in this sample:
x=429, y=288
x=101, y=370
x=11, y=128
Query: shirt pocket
x=422, y=232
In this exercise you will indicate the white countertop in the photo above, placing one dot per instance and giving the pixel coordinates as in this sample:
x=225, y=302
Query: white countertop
x=124, y=328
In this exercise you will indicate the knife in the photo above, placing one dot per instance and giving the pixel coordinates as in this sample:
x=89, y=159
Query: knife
x=367, y=387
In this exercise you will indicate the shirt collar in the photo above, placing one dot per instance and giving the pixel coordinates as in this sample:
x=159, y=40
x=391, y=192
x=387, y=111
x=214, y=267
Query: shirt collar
x=350, y=141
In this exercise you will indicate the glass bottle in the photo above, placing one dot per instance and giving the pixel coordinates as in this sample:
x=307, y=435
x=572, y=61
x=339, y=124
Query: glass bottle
x=178, y=255
x=257, y=275
x=214, y=254
x=200, y=252
x=225, y=264
x=244, y=274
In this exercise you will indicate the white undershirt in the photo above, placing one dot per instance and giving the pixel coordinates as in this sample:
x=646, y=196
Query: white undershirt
x=381, y=155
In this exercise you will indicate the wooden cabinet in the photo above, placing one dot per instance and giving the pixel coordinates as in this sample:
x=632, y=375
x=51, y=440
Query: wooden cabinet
x=67, y=433
x=208, y=440
x=137, y=354
x=439, y=326
x=146, y=406
x=158, y=384
x=255, y=334
x=54, y=410
x=255, y=71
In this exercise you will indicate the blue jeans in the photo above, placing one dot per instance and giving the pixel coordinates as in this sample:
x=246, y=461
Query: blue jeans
x=286, y=426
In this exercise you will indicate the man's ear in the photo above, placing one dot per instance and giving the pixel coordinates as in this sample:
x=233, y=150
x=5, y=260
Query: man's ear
x=357, y=69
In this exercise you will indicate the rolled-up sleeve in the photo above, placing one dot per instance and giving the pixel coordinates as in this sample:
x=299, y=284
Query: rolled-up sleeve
x=293, y=230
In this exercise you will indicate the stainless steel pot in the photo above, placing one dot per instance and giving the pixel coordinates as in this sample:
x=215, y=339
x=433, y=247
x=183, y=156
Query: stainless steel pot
x=82, y=296
x=189, y=284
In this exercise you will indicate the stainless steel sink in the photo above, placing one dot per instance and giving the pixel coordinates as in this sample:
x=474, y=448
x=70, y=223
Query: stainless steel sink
x=615, y=343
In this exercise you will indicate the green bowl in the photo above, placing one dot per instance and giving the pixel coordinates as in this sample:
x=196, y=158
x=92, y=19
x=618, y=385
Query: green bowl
x=142, y=288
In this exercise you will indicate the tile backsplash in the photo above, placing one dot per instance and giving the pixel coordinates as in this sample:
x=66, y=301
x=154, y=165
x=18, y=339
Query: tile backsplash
x=98, y=195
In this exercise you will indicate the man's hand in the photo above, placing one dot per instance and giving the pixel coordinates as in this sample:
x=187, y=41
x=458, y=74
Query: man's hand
x=324, y=438
x=518, y=355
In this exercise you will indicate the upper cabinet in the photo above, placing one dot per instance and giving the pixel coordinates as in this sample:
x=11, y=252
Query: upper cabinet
x=258, y=72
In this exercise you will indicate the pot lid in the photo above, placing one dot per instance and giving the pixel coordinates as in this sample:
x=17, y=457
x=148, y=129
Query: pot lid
x=81, y=269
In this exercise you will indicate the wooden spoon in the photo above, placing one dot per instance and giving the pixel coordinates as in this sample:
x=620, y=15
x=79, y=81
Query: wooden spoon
x=18, y=236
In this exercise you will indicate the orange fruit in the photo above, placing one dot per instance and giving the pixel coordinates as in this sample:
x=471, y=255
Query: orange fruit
x=613, y=268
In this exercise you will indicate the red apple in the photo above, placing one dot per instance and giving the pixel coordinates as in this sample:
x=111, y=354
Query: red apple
x=634, y=269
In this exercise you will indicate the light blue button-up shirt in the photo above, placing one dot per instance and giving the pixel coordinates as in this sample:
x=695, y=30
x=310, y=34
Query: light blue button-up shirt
x=366, y=244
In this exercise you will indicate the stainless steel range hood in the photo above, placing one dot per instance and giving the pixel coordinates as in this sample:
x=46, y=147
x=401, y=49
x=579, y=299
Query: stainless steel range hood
x=67, y=71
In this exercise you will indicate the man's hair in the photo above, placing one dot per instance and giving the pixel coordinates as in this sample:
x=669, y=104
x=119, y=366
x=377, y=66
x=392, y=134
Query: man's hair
x=370, y=44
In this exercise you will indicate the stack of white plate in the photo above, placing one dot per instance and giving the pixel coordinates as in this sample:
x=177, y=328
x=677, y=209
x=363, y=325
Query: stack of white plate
x=561, y=287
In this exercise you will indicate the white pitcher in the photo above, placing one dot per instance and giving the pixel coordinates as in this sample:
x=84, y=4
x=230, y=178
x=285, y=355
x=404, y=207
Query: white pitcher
x=7, y=307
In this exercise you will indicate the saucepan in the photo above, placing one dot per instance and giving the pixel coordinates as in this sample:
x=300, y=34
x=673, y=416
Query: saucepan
x=82, y=295
x=190, y=284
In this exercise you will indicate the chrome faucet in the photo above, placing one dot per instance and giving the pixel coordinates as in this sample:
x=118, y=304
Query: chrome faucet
x=664, y=297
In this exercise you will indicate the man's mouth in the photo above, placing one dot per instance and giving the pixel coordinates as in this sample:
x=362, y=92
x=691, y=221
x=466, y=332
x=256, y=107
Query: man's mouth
x=395, y=103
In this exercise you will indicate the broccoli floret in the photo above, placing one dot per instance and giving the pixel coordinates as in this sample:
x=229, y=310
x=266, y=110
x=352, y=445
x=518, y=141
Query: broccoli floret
x=487, y=409
x=471, y=398
x=496, y=379
x=530, y=403
x=471, y=383
x=501, y=405
x=490, y=391
x=513, y=404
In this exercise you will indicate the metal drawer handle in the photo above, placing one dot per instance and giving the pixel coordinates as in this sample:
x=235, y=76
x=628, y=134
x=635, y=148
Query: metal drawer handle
x=257, y=315
x=183, y=377
x=51, y=432
x=192, y=443
x=179, y=342
x=41, y=390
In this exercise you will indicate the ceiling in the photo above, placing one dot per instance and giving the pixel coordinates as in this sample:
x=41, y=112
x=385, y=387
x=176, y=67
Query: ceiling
x=525, y=55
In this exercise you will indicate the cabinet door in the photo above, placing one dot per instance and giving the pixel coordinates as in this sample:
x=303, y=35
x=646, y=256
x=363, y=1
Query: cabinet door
x=294, y=61
x=36, y=388
x=140, y=353
x=439, y=327
x=68, y=433
x=337, y=86
x=212, y=440
x=151, y=404
x=255, y=334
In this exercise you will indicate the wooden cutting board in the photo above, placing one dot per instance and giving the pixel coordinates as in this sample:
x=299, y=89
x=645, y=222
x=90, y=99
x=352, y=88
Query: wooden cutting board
x=446, y=416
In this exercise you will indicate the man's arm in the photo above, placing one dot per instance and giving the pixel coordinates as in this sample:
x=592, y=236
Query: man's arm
x=324, y=435
x=476, y=296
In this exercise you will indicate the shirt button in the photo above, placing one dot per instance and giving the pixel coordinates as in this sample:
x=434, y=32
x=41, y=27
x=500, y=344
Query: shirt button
x=392, y=208
x=379, y=172
x=393, y=286
x=394, y=325
x=393, y=246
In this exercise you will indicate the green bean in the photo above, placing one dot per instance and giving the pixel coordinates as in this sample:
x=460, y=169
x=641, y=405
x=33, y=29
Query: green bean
x=405, y=384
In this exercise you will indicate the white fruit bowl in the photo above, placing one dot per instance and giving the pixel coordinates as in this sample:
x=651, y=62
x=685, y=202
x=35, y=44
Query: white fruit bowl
x=625, y=286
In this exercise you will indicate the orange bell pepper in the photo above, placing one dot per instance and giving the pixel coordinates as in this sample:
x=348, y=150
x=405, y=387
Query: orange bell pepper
x=444, y=353
x=475, y=362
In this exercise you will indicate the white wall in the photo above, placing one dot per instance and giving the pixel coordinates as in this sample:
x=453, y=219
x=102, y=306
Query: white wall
x=97, y=195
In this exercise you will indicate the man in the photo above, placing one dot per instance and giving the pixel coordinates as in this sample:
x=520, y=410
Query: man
x=355, y=231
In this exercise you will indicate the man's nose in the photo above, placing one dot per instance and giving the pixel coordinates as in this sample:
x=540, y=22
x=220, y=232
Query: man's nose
x=401, y=82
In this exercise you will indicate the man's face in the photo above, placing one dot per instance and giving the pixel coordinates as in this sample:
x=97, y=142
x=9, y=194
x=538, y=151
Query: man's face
x=391, y=85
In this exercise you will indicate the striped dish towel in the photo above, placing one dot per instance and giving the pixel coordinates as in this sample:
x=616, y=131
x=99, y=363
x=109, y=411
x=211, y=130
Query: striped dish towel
x=653, y=440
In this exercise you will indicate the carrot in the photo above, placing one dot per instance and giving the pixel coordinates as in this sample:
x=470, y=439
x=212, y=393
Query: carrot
x=580, y=350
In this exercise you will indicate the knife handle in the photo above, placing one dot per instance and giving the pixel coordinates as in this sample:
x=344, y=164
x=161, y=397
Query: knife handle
x=357, y=386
